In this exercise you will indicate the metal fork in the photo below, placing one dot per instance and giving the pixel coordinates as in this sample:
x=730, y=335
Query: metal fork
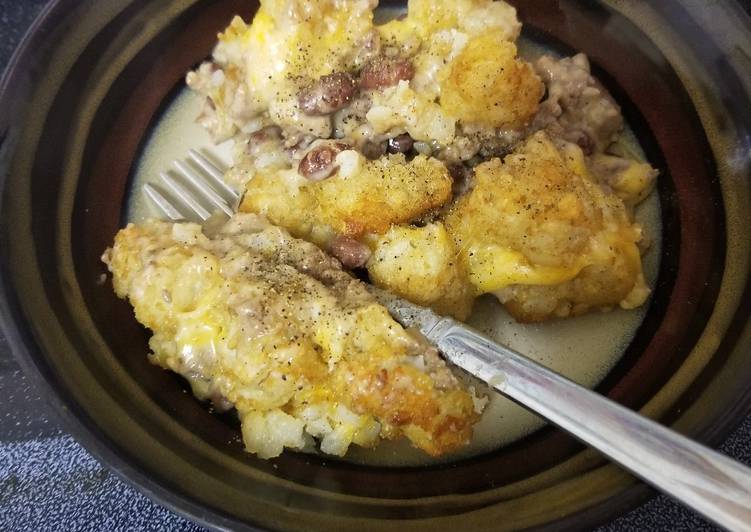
x=701, y=478
x=195, y=193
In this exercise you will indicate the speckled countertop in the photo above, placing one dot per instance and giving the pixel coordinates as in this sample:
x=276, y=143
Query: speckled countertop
x=48, y=482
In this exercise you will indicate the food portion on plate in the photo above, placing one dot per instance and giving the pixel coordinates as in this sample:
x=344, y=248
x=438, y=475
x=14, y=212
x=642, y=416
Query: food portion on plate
x=270, y=324
x=424, y=151
x=427, y=151
x=539, y=232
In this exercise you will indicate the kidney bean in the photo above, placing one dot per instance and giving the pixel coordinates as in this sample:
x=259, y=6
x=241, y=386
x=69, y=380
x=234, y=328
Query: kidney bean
x=350, y=252
x=382, y=72
x=401, y=144
x=320, y=162
x=327, y=95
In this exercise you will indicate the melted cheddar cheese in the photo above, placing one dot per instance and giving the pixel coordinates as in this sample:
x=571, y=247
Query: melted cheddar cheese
x=544, y=226
x=538, y=219
x=273, y=326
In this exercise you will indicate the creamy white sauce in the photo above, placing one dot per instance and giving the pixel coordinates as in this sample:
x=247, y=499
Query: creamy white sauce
x=584, y=349
x=172, y=136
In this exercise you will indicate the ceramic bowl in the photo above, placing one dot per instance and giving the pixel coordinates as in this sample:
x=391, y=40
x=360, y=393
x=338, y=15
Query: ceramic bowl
x=76, y=109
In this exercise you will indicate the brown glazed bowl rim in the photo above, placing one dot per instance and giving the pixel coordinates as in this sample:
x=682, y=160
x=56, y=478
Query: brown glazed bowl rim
x=33, y=350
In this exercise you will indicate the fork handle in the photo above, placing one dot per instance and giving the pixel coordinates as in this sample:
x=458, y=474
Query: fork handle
x=701, y=478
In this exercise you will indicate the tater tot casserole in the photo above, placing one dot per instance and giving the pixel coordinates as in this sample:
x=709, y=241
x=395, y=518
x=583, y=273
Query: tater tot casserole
x=425, y=153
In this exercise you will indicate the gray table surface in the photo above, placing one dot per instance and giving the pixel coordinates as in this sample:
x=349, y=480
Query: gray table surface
x=48, y=482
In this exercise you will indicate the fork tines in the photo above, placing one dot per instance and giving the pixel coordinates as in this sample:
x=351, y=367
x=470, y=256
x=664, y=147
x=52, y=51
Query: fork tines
x=195, y=191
